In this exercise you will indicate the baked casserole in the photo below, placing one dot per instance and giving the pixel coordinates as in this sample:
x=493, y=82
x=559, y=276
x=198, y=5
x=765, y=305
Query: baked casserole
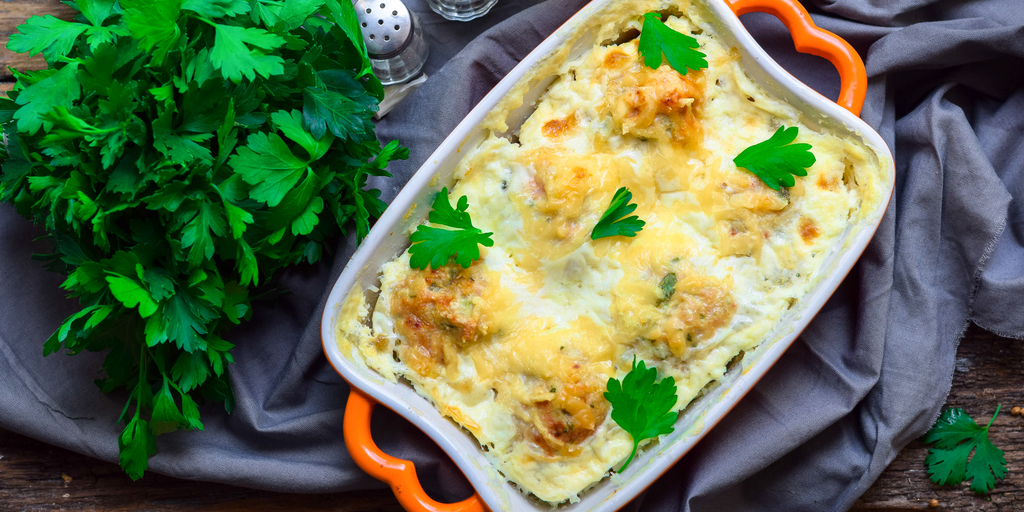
x=518, y=347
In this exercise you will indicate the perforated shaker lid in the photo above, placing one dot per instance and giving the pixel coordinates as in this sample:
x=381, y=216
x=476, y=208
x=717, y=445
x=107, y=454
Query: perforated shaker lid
x=386, y=26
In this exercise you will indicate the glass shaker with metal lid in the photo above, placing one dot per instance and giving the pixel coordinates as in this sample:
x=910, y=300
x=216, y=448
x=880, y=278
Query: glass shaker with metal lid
x=394, y=39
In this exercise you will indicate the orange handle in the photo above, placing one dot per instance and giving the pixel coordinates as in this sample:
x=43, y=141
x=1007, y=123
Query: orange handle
x=815, y=41
x=399, y=474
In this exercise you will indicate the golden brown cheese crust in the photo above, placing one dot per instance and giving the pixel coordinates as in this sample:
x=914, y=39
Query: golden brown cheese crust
x=436, y=312
x=651, y=103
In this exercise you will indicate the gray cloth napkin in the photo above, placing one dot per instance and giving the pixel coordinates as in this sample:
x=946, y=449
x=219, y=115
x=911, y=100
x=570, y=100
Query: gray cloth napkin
x=946, y=91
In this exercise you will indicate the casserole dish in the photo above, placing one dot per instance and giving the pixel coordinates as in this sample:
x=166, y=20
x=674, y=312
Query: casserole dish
x=390, y=238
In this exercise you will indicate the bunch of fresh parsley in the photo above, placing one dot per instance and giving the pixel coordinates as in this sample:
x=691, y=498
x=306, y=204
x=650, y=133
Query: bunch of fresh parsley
x=179, y=153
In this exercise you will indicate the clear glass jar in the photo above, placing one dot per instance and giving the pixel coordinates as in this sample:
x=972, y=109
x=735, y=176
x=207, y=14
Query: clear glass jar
x=461, y=10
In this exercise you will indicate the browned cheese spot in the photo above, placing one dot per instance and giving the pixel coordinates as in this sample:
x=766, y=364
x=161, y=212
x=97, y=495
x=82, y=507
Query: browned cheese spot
x=557, y=128
x=615, y=59
x=808, y=230
x=828, y=182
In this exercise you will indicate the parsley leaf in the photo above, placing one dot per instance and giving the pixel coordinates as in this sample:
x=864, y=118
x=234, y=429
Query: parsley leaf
x=434, y=246
x=614, y=221
x=290, y=124
x=294, y=12
x=132, y=294
x=680, y=49
x=268, y=164
x=137, y=444
x=60, y=89
x=154, y=23
x=950, y=462
x=776, y=160
x=47, y=34
x=170, y=155
x=97, y=11
x=329, y=110
x=198, y=234
x=235, y=60
x=642, y=405
x=216, y=8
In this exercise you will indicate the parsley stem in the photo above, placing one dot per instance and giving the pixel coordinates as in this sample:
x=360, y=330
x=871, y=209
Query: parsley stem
x=636, y=444
x=993, y=417
x=138, y=387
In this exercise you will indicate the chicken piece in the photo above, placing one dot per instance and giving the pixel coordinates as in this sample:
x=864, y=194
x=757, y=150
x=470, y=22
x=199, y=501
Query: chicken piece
x=436, y=312
x=696, y=307
x=571, y=417
x=652, y=103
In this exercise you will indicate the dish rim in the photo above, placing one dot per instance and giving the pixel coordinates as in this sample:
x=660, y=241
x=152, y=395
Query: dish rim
x=780, y=81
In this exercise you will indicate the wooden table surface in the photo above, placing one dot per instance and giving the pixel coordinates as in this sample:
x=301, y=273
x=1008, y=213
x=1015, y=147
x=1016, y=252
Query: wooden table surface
x=36, y=476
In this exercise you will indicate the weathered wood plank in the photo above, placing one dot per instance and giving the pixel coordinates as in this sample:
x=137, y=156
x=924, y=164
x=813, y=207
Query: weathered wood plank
x=988, y=373
x=14, y=13
x=36, y=476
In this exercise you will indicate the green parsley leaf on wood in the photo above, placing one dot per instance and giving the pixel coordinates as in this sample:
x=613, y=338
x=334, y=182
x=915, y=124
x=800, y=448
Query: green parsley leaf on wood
x=955, y=436
x=642, y=405
x=777, y=159
x=47, y=34
x=615, y=222
x=433, y=246
x=656, y=38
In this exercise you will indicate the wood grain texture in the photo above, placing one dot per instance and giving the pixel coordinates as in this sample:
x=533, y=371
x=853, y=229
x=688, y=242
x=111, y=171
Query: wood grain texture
x=35, y=476
x=14, y=13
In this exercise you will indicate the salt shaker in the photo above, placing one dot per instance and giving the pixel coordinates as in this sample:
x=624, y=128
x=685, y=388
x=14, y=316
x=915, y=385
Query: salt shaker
x=461, y=10
x=394, y=39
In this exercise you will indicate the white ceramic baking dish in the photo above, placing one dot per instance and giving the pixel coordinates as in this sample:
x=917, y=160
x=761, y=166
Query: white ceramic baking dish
x=390, y=237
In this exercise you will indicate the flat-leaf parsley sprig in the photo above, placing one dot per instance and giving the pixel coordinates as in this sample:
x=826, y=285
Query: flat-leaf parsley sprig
x=642, y=405
x=949, y=461
x=777, y=159
x=615, y=221
x=656, y=38
x=433, y=246
x=179, y=153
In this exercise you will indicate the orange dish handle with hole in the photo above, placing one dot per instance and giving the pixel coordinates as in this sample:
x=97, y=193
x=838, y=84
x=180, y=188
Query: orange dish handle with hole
x=399, y=474
x=808, y=38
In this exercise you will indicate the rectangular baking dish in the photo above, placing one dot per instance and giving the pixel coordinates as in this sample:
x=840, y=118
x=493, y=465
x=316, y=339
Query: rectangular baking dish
x=390, y=237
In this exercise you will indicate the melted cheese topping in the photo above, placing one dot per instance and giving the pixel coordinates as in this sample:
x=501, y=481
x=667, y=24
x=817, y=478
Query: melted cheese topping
x=518, y=348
